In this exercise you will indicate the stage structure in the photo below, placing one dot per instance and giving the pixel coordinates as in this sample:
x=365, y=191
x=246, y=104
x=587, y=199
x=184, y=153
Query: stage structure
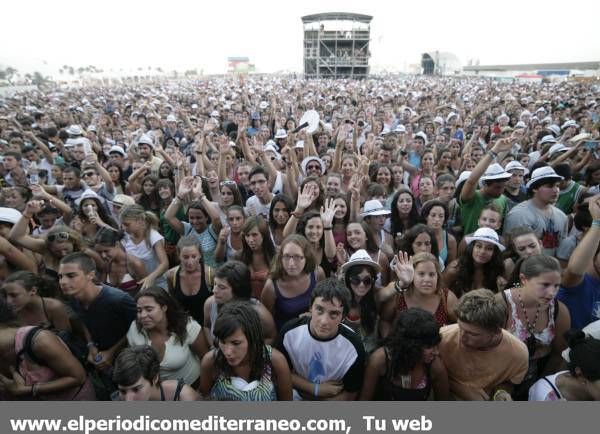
x=336, y=45
x=440, y=63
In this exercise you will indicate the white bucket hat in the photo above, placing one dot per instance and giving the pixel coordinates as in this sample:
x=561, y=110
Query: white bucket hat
x=485, y=234
x=515, y=165
x=360, y=257
x=540, y=173
x=373, y=207
x=495, y=172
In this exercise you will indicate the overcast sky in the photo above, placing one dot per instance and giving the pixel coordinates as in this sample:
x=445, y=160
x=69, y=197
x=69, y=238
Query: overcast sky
x=185, y=34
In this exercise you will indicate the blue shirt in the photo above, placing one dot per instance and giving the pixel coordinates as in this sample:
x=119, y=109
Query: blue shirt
x=583, y=301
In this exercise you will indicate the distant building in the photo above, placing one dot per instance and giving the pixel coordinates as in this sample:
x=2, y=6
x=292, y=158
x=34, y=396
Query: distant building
x=239, y=65
x=440, y=63
x=336, y=45
x=536, y=70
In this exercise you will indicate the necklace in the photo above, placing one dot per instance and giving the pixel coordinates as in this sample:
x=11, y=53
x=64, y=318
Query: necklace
x=530, y=341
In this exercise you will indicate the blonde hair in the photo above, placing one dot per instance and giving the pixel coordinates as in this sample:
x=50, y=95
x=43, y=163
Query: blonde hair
x=137, y=212
x=423, y=257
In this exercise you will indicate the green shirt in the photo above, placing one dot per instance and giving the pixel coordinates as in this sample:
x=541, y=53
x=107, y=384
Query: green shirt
x=170, y=234
x=568, y=197
x=470, y=211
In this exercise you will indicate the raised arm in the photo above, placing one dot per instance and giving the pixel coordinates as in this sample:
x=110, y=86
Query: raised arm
x=470, y=186
x=19, y=232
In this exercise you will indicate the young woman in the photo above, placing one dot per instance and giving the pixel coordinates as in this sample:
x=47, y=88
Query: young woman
x=116, y=176
x=398, y=176
x=190, y=283
x=360, y=236
x=537, y=318
x=137, y=376
x=419, y=285
x=404, y=213
x=93, y=216
x=16, y=197
x=419, y=239
x=294, y=275
x=435, y=215
x=426, y=190
x=44, y=370
x=407, y=367
x=522, y=243
x=341, y=218
x=242, y=367
x=177, y=338
x=360, y=274
x=144, y=242
x=122, y=269
x=229, y=243
x=279, y=214
x=382, y=175
x=166, y=193
x=148, y=198
x=232, y=283
x=229, y=194
x=426, y=170
x=444, y=162
x=581, y=382
x=257, y=252
x=480, y=266
x=23, y=290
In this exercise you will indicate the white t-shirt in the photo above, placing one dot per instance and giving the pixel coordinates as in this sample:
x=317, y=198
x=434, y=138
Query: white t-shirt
x=543, y=391
x=146, y=253
x=261, y=209
x=178, y=361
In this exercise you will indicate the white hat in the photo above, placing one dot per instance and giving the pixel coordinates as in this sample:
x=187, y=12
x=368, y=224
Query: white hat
x=92, y=128
x=422, y=135
x=146, y=140
x=547, y=139
x=495, y=172
x=400, y=129
x=555, y=149
x=462, y=178
x=541, y=109
x=520, y=124
x=579, y=137
x=438, y=120
x=524, y=113
x=540, y=173
x=360, y=257
x=515, y=165
x=503, y=116
x=569, y=123
x=591, y=330
x=374, y=207
x=554, y=129
x=87, y=194
x=263, y=105
x=74, y=130
x=116, y=149
x=171, y=118
x=281, y=134
x=485, y=234
x=299, y=144
x=9, y=215
x=450, y=116
x=313, y=158
x=214, y=114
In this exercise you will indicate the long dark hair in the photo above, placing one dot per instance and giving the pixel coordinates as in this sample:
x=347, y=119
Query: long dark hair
x=413, y=331
x=150, y=201
x=177, y=317
x=101, y=209
x=268, y=248
x=237, y=275
x=45, y=286
x=368, y=309
x=466, y=271
x=240, y=315
x=301, y=228
x=405, y=243
x=121, y=181
x=396, y=221
x=279, y=198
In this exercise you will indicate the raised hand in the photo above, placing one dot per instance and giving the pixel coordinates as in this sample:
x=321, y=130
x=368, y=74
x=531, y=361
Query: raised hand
x=305, y=199
x=33, y=207
x=403, y=267
x=186, y=185
x=328, y=212
x=502, y=145
x=341, y=254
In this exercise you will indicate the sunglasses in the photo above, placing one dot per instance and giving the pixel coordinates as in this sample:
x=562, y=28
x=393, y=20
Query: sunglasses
x=367, y=281
x=60, y=236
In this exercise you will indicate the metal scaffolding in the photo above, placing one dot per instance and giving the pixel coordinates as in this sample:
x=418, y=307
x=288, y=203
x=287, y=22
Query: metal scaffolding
x=336, y=45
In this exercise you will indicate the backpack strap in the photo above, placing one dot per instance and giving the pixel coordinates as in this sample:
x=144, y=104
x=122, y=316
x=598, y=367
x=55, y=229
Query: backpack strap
x=553, y=387
x=180, y=384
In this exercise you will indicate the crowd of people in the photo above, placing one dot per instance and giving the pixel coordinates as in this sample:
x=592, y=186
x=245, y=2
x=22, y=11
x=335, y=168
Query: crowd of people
x=416, y=239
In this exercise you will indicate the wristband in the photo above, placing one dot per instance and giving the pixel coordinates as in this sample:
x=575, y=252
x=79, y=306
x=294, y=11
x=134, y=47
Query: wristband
x=596, y=223
x=316, y=391
x=493, y=154
x=297, y=214
x=34, y=389
x=91, y=344
x=328, y=228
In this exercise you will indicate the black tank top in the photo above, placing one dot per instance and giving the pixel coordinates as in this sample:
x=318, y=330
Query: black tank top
x=193, y=304
x=388, y=391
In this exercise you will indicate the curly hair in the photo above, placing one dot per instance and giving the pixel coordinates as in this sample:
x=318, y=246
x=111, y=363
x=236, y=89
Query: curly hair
x=466, y=271
x=177, y=317
x=235, y=316
x=413, y=331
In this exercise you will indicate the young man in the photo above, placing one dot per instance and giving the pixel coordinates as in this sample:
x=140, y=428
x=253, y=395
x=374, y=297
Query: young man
x=580, y=290
x=548, y=222
x=104, y=313
x=483, y=360
x=260, y=203
x=493, y=179
x=570, y=191
x=327, y=358
x=515, y=190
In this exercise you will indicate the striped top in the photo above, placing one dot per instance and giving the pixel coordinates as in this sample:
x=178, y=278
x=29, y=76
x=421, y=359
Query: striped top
x=237, y=389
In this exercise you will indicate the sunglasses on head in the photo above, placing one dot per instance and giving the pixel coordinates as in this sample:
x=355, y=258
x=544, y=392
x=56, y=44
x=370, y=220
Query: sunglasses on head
x=60, y=236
